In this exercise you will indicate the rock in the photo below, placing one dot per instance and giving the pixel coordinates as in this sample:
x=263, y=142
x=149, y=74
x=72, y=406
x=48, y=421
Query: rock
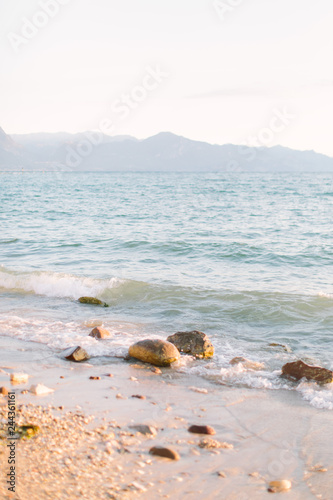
x=284, y=347
x=19, y=378
x=40, y=389
x=93, y=301
x=76, y=354
x=99, y=333
x=250, y=365
x=94, y=377
x=159, y=451
x=299, y=369
x=3, y=391
x=209, y=443
x=201, y=429
x=146, y=430
x=156, y=352
x=138, y=396
x=156, y=370
x=279, y=486
x=195, y=343
x=221, y=474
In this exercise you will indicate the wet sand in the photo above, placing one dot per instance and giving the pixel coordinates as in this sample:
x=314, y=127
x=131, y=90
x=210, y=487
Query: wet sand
x=86, y=447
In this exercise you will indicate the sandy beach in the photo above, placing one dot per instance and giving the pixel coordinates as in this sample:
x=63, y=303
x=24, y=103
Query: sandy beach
x=86, y=446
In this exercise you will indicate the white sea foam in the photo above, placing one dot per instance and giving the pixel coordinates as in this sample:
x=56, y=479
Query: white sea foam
x=56, y=284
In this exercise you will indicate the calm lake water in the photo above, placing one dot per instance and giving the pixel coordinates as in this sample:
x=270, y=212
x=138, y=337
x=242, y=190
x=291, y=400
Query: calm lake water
x=248, y=259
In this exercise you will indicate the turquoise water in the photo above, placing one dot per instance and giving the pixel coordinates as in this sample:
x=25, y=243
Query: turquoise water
x=245, y=258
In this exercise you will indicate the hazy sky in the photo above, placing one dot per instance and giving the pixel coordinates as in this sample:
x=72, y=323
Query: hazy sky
x=218, y=71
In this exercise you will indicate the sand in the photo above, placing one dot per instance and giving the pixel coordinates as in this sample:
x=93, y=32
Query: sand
x=86, y=447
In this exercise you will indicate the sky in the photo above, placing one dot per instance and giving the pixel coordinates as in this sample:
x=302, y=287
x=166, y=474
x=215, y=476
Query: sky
x=255, y=72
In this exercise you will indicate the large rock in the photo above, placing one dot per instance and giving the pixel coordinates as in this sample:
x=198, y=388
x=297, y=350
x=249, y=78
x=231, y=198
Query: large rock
x=99, y=333
x=77, y=354
x=156, y=352
x=299, y=369
x=195, y=343
x=93, y=301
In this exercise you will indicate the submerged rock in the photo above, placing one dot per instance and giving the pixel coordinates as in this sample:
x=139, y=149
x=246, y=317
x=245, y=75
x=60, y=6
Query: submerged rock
x=164, y=452
x=195, y=343
x=99, y=333
x=93, y=301
x=76, y=354
x=299, y=369
x=247, y=363
x=157, y=352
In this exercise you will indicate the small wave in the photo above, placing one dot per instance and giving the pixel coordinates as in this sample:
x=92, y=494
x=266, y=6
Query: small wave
x=53, y=284
x=7, y=242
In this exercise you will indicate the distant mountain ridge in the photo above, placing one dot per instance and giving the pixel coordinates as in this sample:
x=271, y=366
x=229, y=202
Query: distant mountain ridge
x=92, y=151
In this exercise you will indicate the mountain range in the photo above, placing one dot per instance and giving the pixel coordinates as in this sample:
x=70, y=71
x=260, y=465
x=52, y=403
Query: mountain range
x=94, y=151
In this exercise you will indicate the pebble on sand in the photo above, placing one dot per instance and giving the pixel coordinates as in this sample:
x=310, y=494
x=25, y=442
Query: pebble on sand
x=3, y=391
x=201, y=429
x=40, y=389
x=19, y=378
x=160, y=451
x=279, y=486
x=146, y=430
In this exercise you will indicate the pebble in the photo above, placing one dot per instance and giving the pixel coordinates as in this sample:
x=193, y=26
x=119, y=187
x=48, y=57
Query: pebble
x=221, y=474
x=40, y=389
x=138, y=396
x=19, y=378
x=156, y=370
x=3, y=391
x=120, y=396
x=159, y=451
x=199, y=390
x=279, y=486
x=146, y=430
x=201, y=429
x=94, y=378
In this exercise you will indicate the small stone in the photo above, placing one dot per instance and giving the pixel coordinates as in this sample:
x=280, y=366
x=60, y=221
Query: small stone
x=61, y=376
x=92, y=301
x=40, y=389
x=199, y=390
x=159, y=451
x=201, y=429
x=146, y=430
x=194, y=343
x=156, y=370
x=120, y=396
x=299, y=369
x=138, y=396
x=99, y=333
x=279, y=486
x=221, y=474
x=94, y=378
x=24, y=391
x=3, y=391
x=77, y=354
x=154, y=351
x=19, y=378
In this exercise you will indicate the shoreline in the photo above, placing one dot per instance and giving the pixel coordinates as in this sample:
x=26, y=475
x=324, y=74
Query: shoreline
x=85, y=433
